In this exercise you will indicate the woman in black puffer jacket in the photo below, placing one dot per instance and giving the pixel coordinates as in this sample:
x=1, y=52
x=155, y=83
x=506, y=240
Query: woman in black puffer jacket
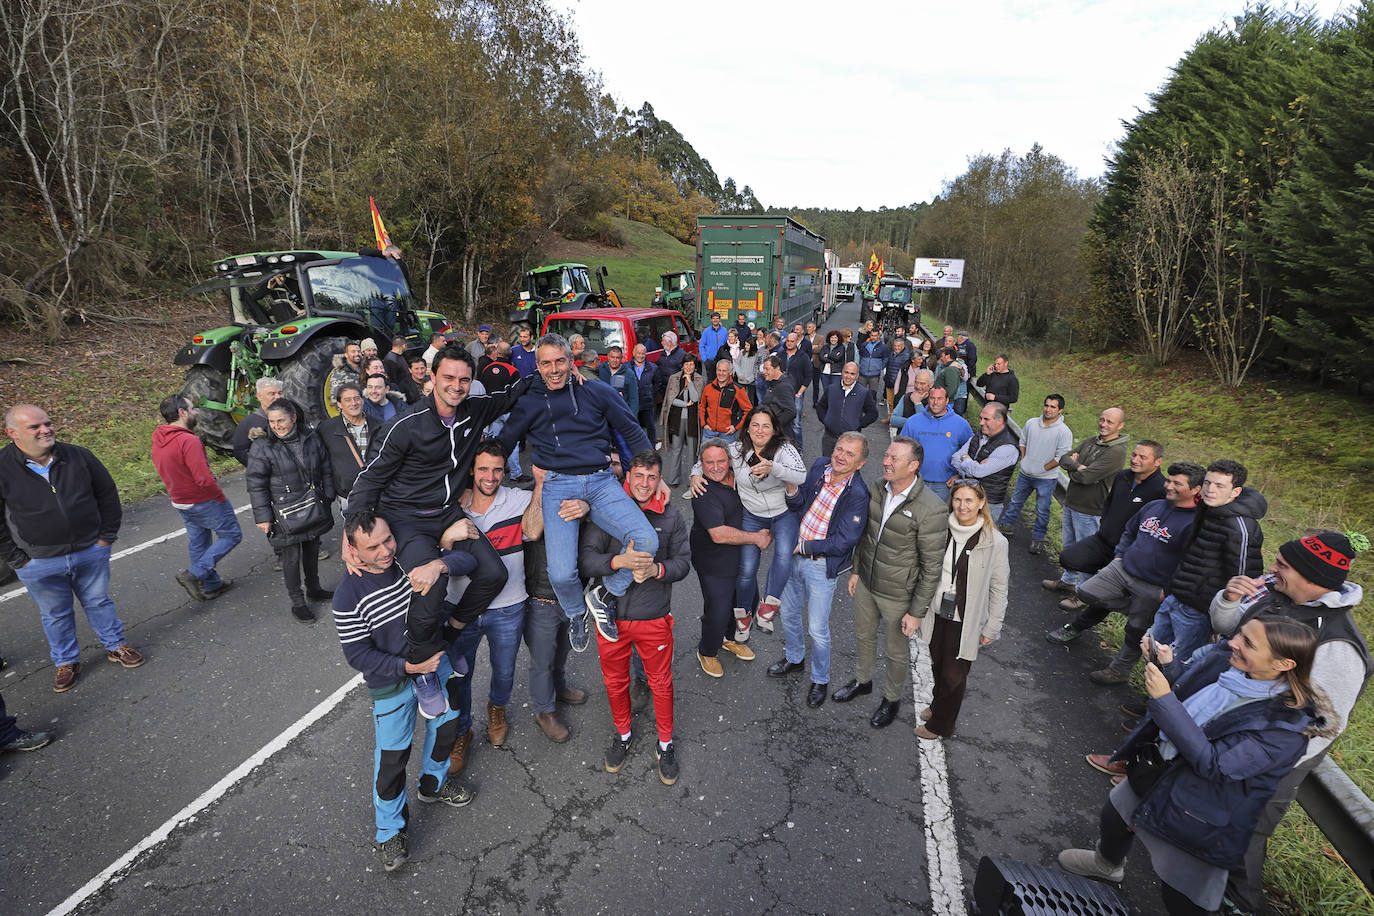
x=285, y=461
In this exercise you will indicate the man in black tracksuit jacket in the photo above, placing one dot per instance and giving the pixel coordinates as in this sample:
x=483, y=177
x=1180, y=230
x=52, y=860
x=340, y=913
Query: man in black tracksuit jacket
x=418, y=466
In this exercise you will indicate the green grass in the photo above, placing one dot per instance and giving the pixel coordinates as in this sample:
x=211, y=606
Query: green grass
x=1308, y=451
x=634, y=269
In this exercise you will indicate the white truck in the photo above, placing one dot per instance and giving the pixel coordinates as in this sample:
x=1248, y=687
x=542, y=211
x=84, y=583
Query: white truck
x=847, y=280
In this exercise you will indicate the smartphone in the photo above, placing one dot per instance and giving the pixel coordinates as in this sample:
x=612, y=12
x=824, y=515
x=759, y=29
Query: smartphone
x=1149, y=647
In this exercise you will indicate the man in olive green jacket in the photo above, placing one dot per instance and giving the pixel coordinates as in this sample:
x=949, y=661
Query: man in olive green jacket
x=896, y=572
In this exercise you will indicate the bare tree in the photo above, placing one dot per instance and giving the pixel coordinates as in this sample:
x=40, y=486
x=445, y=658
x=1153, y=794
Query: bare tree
x=1234, y=313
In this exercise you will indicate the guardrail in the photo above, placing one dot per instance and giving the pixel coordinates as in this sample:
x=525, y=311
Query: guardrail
x=1341, y=811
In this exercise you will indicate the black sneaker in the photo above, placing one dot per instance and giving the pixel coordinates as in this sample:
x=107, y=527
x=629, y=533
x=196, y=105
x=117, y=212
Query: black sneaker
x=191, y=582
x=303, y=614
x=393, y=852
x=450, y=793
x=667, y=764
x=602, y=605
x=579, y=632
x=1063, y=635
x=617, y=752
x=27, y=741
x=319, y=594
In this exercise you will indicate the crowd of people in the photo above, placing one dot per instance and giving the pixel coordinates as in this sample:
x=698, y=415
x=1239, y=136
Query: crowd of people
x=1250, y=670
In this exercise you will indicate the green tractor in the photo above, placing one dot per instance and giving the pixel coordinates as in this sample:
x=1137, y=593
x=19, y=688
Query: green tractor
x=560, y=288
x=677, y=290
x=292, y=311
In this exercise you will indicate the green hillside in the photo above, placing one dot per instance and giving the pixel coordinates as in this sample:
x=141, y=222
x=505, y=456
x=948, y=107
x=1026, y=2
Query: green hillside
x=633, y=270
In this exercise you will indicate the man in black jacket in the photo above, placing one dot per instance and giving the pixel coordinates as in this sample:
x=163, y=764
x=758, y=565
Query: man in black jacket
x=796, y=362
x=415, y=474
x=61, y=513
x=1000, y=382
x=347, y=438
x=644, y=613
x=845, y=406
x=781, y=396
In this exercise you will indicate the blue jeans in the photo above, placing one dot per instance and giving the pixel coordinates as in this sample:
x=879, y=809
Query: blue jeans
x=796, y=421
x=394, y=722
x=784, y=529
x=503, y=627
x=1075, y=526
x=938, y=487
x=708, y=434
x=613, y=511
x=55, y=581
x=1178, y=625
x=809, y=591
x=493, y=430
x=1043, y=487
x=212, y=530
x=546, y=635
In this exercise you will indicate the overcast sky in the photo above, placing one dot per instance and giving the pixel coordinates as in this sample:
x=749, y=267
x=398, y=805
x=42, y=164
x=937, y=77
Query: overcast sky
x=870, y=103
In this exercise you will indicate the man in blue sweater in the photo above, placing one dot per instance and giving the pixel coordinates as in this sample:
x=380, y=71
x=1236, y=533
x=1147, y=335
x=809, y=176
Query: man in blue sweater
x=1146, y=556
x=941, y=432
x=569, y=431
x=713, y=337
x=370, y=616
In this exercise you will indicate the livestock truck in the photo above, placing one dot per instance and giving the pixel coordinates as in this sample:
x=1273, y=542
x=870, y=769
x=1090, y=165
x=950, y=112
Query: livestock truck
x=761, y=266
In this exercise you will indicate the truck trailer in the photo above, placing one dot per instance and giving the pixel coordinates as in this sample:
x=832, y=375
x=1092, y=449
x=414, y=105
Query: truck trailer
x=847, y=280
x=761, y=266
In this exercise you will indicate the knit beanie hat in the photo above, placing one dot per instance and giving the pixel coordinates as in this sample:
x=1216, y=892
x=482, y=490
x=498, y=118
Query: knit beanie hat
x=1322, y=558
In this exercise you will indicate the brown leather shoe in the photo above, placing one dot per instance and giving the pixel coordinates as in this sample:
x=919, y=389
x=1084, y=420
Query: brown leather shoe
x=573, y=696
x=65, y=678
x=1058, y=585
x=124, y=656
x=496, y=725
x=1103, y=764
x=458, y=757
x=556, y=731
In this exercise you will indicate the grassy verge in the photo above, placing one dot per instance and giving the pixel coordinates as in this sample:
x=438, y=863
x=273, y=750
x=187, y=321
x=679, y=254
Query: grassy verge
x=1308, y=452
x=634, y=269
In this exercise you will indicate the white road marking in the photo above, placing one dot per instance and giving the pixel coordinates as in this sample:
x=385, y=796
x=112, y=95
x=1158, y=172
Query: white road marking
x=207, y=798
x=15, y=593
x=942, y=845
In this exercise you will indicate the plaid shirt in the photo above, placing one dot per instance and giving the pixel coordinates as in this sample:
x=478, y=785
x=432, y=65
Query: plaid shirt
x=359, y=434
x=815, y=523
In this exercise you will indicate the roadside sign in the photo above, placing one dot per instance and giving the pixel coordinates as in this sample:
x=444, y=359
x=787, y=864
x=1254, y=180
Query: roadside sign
x=947, y=273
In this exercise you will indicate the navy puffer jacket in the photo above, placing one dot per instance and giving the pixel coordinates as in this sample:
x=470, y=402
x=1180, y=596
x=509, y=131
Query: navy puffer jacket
x=1223, y=542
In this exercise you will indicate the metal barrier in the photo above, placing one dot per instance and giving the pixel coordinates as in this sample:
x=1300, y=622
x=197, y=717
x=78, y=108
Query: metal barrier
x=1341, y=811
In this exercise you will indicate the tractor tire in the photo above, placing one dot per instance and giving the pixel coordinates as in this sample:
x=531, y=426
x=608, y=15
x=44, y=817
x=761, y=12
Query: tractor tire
x=305, y=377
x=515, y=329
x=215, y=427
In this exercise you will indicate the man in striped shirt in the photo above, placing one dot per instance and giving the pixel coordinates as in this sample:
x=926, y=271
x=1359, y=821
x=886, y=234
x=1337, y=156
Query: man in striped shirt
x=370, y=608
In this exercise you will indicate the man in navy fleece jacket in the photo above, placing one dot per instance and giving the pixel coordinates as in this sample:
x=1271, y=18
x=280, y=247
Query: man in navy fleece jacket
x=569, y=431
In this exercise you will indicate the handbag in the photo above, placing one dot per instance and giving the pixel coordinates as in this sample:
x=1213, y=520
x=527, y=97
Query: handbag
x=1145, y=769
x=302, y=514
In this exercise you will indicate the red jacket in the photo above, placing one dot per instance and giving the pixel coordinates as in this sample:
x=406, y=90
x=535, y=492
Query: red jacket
x=180, y=460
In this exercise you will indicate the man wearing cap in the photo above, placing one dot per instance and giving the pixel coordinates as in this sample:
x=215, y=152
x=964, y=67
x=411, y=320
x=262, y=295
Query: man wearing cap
x=1307, y=582
x=478, y=347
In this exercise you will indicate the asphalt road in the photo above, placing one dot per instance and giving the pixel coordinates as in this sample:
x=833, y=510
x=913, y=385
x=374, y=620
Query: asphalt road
x=780, y=808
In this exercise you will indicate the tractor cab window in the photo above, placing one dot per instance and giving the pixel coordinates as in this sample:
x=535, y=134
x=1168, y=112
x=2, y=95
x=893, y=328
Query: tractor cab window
x=372, y=288
x=895, y=294
x=581, y=283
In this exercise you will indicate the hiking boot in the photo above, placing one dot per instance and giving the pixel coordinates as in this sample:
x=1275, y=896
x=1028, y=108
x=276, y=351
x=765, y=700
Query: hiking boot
x=1072, y=605
x=496, y=725
x=744, y=624
x=458, y=757
x=224, y=586
x=191, y=582
x=579, y=632
x=602, y=606
x=1090, y=864
x=667, y=764
x=555, y=730
x=450, y=793
x=640, y=694
x=711, y=665
x=1108, y=677
x=739, y=651
x=27, y=741
x=617, y=752
x=430, y=693
x=124, y=656
x=393, y=852
x=303, y=613
x=1064, y=635
x=1036, y=548
x=1057, y=585
x=573, y=696
x=64, y=678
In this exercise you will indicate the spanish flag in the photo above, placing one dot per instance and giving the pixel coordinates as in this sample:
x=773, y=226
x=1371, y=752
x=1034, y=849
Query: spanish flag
x=874, y=265
x=383, y=240
x=880, y=276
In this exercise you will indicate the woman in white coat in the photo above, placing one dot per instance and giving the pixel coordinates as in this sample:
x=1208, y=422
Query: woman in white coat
x=967, y=611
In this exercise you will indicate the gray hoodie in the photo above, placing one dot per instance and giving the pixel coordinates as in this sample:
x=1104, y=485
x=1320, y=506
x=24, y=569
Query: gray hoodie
x=1044, y=444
